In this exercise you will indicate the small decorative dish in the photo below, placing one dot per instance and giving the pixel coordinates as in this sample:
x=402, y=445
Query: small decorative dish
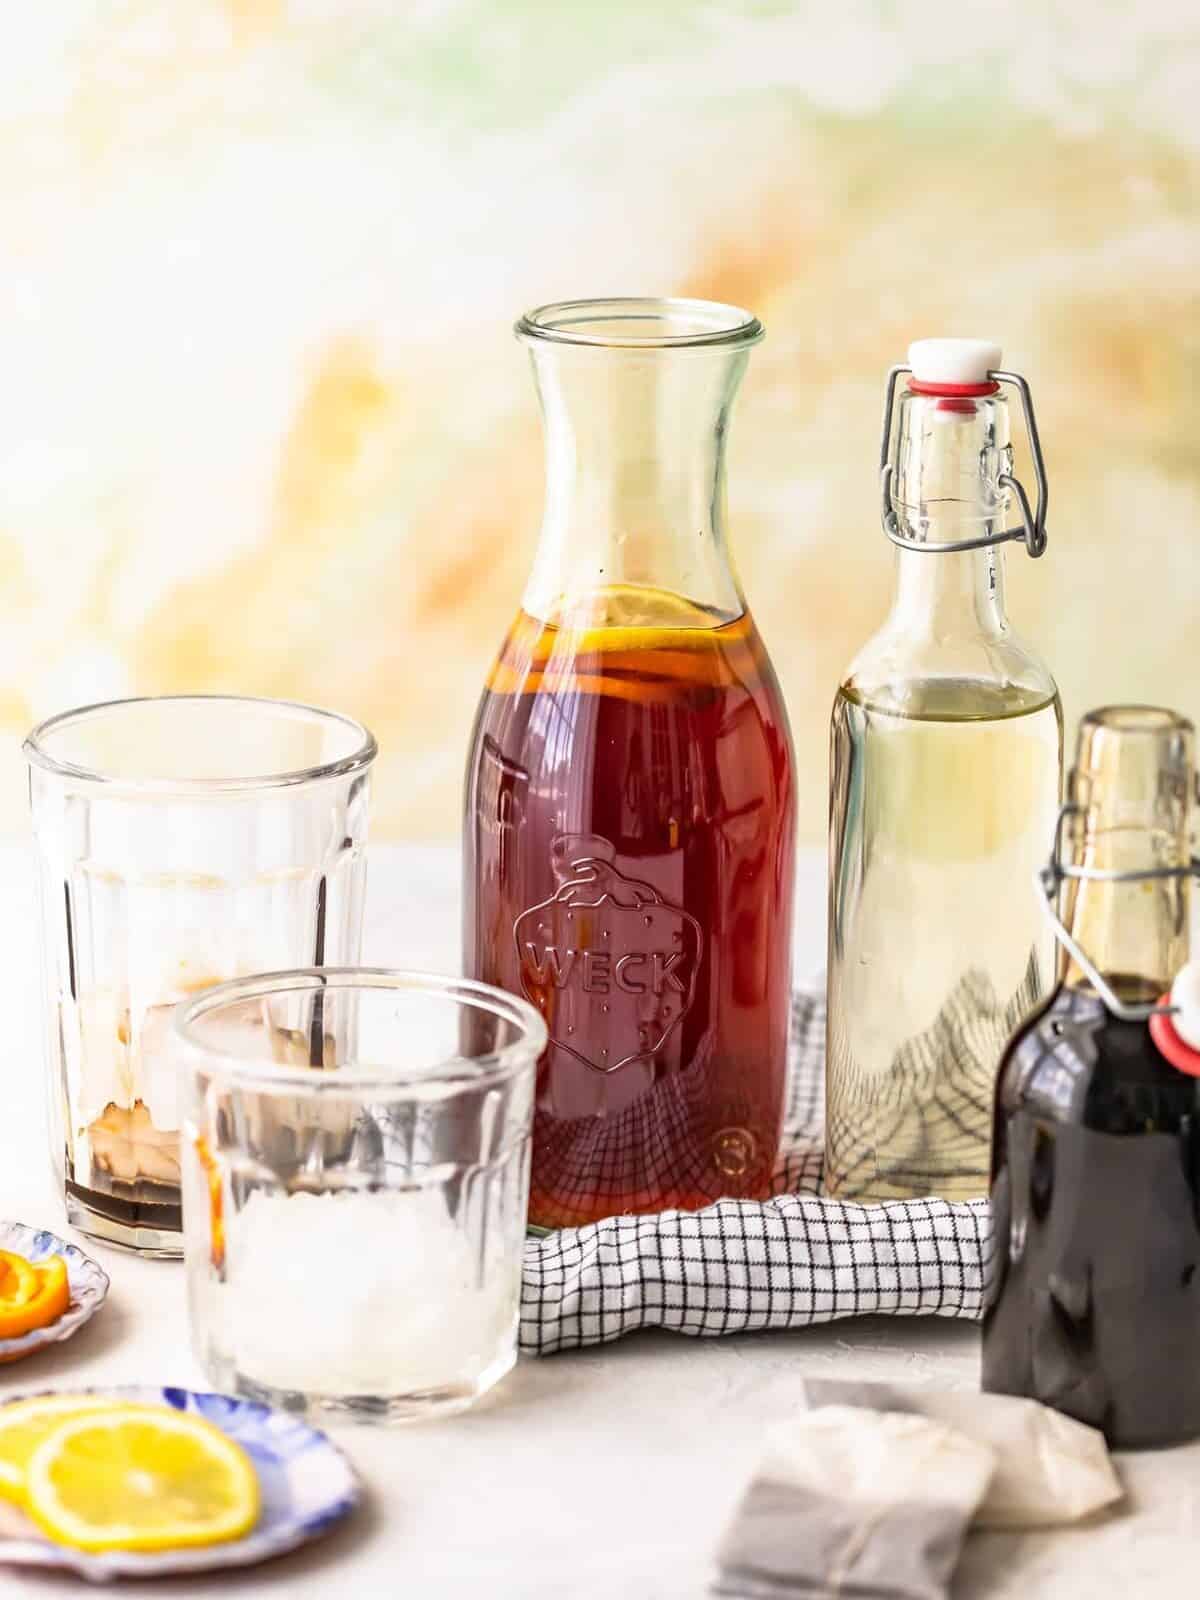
x=87, y=1279
x=305, y=1482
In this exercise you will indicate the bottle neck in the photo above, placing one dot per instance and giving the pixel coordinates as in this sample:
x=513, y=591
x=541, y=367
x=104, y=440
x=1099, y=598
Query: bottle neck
x=634, y=517
x=1136, y=934
x=950, y=596
x=1132, y=791
x=951, y=453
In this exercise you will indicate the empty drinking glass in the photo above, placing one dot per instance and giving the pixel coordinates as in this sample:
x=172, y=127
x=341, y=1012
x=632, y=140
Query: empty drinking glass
x=356, y=1180
x=181, y=842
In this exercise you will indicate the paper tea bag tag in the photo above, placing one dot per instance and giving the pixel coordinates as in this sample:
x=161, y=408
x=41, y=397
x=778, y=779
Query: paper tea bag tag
x=609, y=963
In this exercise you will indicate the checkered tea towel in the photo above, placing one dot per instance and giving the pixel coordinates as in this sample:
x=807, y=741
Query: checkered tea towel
x=740, y=1265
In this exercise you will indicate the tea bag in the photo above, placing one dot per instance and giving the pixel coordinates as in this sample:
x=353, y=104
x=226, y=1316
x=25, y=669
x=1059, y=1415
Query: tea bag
x=858, y=1504
x=1050, y=1469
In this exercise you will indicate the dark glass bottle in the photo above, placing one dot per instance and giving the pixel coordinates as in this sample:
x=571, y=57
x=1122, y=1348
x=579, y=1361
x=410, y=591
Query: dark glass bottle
x=1093, y=1302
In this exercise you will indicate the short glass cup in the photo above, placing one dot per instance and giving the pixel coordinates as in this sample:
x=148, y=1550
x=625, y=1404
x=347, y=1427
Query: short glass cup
x=180, y=842
x=356, y=1180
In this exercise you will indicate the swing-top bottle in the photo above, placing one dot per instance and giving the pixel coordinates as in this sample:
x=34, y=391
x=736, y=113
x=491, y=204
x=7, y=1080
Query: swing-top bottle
x=1093, y=1297
x=946, y=752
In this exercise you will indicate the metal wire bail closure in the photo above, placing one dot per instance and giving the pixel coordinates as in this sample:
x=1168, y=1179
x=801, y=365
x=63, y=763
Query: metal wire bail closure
x=1032, y=531
x=1049, y=881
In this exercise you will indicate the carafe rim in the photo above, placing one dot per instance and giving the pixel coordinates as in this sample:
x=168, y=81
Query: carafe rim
x=673, y=322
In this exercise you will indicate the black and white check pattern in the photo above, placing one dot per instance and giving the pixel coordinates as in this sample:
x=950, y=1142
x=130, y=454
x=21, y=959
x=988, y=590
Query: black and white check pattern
x=740, y=1265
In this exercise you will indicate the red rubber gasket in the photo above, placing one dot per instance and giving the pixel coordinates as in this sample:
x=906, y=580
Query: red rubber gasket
x=957, y=390
x=1170, y=1046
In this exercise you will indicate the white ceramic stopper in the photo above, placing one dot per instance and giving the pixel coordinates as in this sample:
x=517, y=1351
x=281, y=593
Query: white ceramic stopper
x=1185, y=993
x=953, y=360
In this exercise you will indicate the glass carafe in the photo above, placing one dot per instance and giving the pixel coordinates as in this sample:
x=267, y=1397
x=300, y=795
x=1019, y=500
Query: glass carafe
x=629, y=813
x=946, y=750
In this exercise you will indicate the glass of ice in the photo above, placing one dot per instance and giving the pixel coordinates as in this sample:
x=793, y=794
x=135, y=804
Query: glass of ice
x=356, y=1179
x=180, y=842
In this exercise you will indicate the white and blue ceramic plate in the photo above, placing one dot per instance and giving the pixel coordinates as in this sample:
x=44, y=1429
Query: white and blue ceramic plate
x=87, y=1278
x=307, y=1485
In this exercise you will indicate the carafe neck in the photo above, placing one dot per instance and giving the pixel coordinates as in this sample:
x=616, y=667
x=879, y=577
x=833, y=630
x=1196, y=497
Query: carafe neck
x=1129, y=811
x=636, y=425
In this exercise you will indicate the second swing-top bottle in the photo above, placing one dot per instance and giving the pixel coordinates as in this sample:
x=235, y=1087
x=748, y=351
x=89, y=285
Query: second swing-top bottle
x=946, y=755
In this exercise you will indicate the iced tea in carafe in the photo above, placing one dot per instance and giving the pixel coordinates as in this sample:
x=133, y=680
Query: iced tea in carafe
x=629, y=808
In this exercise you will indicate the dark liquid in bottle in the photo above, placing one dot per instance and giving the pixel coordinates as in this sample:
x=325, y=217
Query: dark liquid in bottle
x=1094, y=1291
x=628, y=868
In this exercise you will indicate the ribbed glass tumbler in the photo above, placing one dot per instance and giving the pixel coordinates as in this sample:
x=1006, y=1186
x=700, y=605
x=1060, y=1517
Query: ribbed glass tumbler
x=356, y=1181
x=181, y=842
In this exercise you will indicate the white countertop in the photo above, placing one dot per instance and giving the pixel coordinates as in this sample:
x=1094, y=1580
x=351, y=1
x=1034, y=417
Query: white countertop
x=600, y=1475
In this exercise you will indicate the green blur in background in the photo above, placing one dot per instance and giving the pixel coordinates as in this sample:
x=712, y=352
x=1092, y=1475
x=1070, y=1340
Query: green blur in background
x=264, y=427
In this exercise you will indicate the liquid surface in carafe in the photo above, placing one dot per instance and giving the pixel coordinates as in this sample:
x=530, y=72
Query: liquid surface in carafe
x=943, y=797
x=628, y=868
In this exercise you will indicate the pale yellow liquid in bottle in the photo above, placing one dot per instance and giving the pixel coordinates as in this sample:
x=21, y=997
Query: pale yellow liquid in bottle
x=943, y=808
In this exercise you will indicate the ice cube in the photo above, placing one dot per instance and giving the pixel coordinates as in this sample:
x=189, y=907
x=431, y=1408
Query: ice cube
x=126, y=1144
x=105, y=1070
x=242, y=1033
x=156, y=1067
x=401, y=1308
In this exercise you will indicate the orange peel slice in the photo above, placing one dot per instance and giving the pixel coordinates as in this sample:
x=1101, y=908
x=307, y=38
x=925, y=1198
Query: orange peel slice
x=51, y=1297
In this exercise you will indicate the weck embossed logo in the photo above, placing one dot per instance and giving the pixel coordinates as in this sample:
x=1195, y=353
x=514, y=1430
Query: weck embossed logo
x=610, y=964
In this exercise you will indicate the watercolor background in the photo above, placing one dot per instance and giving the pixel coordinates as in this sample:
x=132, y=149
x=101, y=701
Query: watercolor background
x=263, y=426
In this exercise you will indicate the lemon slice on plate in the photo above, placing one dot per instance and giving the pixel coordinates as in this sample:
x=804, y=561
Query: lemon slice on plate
x=140, y=1477
x=25, y=1423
